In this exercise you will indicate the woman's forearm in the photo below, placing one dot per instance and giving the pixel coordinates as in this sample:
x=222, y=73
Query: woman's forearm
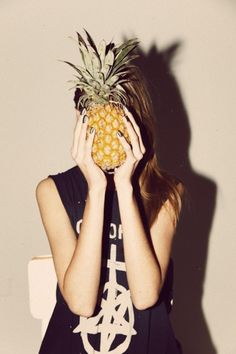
x=142, y=268
x=82, y=278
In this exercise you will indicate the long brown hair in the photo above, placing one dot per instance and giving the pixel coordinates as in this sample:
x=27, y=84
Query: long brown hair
x=157, y=185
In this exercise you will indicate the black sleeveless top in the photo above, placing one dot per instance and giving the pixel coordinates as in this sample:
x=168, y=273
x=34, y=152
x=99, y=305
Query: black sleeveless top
x=116, y=326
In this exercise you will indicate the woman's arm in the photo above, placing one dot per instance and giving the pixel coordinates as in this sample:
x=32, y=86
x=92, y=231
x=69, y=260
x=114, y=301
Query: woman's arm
x=77, y=261
x=145, y=269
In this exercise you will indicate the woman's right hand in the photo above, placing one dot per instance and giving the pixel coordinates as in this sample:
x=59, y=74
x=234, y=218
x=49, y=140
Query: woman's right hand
x=81, y=152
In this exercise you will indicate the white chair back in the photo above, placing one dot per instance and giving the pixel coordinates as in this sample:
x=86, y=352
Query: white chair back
x=42, y=283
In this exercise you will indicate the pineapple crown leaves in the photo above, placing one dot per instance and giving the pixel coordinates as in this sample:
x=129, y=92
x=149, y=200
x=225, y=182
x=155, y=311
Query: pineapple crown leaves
x=106, y=68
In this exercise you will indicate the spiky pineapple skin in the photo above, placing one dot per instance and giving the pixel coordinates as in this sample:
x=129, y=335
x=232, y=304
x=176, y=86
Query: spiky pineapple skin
x=107, y=151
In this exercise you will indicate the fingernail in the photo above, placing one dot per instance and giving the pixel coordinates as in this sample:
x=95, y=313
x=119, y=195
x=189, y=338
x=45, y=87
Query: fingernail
x=91, y=129
x=84, y=119
x=119, y=133
x=83, y=110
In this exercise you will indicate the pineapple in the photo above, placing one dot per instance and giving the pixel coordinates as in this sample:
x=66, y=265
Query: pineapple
x=100, y=80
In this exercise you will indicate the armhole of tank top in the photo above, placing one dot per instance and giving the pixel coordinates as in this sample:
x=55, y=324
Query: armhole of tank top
x=62, y=193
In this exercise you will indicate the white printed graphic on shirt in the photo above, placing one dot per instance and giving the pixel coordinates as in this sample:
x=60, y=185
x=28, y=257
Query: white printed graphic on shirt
x=110, y=320
x=115, y=232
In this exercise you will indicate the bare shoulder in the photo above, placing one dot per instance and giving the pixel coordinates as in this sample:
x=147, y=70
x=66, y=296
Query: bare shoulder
x=46, y=189
x=49, y=200
x=53, y=213
x=168, y=205
x=45, y=185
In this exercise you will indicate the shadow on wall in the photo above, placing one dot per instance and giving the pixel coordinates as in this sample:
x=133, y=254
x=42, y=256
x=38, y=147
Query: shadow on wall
x=190, y=247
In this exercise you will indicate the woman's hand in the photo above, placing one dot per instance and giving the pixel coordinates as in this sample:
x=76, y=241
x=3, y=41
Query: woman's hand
x=134, y=152
x=81, y=153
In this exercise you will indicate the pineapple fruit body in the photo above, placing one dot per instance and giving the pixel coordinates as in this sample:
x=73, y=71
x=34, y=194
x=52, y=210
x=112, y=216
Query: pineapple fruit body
x=107, y=150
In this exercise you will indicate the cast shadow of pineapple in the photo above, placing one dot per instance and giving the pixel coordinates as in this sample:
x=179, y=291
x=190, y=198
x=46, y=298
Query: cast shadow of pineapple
x=190, y=247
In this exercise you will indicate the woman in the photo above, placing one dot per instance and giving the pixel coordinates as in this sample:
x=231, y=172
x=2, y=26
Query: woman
x=111, y=237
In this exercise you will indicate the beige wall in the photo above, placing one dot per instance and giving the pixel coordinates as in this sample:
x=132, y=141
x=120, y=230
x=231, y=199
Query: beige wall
x=37, y=120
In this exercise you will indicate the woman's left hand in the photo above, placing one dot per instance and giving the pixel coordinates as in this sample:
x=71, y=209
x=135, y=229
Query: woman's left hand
x=134, y=152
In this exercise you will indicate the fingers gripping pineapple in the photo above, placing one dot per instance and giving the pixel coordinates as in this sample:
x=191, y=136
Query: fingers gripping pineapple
x=100, y=81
